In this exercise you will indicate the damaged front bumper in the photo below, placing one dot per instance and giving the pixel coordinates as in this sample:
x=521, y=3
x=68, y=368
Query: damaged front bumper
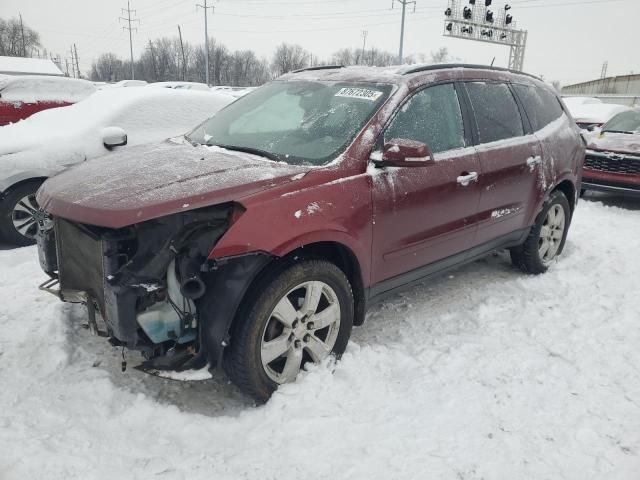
x=145, y=281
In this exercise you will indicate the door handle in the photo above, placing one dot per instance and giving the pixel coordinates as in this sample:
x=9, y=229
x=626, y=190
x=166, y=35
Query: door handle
x=533, y=161
x=466, y=178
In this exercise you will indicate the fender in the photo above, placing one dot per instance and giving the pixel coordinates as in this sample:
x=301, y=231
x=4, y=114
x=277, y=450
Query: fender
x=566, y=176
x=38, y=174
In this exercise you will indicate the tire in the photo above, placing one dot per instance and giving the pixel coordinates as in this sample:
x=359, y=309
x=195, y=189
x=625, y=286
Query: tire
x=531, y=257
x=16, y=208
x=582, y=192
x=258, y=330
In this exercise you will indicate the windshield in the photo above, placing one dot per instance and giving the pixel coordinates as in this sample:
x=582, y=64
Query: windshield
x=625, y=122
x=302, y=122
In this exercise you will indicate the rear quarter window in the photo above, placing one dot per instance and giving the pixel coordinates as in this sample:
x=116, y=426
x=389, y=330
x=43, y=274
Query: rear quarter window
x=495, y=110
x=542, y=106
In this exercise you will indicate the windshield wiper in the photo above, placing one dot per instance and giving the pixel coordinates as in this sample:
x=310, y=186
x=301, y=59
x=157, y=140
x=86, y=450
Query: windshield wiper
x=192, y=142
x=617, y=131
x=254, y=151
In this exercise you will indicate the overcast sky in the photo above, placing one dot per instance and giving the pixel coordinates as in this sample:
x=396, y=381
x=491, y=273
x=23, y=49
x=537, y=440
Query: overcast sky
x=568, y=39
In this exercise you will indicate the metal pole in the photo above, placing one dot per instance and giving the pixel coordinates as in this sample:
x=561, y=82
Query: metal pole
x=133, y=75
x=206, y=45
x=401, y=53
x=184, y=60
x=24, y=48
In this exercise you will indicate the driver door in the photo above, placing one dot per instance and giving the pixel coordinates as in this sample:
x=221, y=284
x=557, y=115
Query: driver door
x=425, y=214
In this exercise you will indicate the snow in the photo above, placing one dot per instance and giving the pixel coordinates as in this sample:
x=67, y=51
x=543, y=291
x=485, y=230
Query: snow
x=53, y=139
x=573, y=102
x=31, y=89
x=487, y=373
x=28, y=66
x=596, y=112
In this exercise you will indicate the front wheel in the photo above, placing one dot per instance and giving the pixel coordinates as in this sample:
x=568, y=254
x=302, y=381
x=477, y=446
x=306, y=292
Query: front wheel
x=546, y=238
x=300, y=315
x=19, y=213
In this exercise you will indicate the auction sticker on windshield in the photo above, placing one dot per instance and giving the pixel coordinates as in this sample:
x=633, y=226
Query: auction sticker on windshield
x=362, y=93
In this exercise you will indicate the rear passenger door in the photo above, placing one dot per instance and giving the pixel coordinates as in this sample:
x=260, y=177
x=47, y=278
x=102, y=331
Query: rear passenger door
x=508, y=153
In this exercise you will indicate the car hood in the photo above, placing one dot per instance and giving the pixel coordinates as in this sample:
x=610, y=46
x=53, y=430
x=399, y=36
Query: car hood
x=616, y=142
x=151, y=181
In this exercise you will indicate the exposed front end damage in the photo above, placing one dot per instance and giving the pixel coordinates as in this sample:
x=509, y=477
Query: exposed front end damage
x=146, y=281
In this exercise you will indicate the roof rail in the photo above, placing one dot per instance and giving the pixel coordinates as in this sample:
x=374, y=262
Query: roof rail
x=440, y=66
x=317, y=67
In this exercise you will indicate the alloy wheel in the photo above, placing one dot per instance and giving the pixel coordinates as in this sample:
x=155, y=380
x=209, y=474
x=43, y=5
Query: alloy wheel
x=25, y=216
x=303, y=327
x=551, y=234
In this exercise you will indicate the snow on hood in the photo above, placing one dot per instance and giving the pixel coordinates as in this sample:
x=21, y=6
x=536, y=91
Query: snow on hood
x=615, y=142
x=32, y=88
x=152, y=181
x=595, y=112
x=52, y=139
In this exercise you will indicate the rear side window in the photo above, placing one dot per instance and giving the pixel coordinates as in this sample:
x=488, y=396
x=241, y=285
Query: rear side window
x=496, y=111
x=431, y=116
x=542, y=106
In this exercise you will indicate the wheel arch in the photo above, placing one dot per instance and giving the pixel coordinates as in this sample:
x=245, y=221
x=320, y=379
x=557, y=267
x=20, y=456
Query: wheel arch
x=569, y=189
x=236, y=279
x=9, y=184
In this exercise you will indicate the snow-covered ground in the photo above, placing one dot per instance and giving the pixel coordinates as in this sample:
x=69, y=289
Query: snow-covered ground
x=482, y=374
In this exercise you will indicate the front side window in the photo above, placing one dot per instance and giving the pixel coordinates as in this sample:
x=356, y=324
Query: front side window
x=431, y=116
x=302, y=122
x=495, y=110
x=542, y=107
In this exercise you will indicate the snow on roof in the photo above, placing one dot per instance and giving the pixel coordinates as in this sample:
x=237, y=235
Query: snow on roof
x=35, y=88
x=28, y=66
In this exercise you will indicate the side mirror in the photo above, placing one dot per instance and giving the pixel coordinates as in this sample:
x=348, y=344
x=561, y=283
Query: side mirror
x=113, y=137
x=400, y=152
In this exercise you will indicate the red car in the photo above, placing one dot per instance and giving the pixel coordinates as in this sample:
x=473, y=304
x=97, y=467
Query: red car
x=257, y=242
x=22, y=96
x=612, y=162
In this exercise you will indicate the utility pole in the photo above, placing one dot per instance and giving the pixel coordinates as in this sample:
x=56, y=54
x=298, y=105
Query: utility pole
x=24, y=48
x=128, y=19
x=77, y=64
x=603, y=72
x=153, y=60
x=184, y=60
x=364, y=44
x=206, y=39
x=66, y=63
x=73, y=63
x=404, y=4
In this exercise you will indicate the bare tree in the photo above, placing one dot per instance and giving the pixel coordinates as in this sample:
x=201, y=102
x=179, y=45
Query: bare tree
x=107, y=68
x=288, y=57
x=11, y=39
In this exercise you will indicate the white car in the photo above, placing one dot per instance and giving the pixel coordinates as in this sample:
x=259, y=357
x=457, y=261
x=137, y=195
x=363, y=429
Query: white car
x=235, y=92
x=52, y=140
x=591, y=115
x=181, y=85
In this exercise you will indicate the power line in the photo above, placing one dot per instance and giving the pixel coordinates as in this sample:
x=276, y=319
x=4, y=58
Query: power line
x=129, y=20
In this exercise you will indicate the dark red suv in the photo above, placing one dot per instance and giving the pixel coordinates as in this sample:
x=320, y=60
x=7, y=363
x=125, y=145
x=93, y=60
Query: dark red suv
x=612, y=163
x=257, y=240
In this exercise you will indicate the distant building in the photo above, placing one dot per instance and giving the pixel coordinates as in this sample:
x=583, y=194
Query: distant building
x=622, y=85
x=28, y=66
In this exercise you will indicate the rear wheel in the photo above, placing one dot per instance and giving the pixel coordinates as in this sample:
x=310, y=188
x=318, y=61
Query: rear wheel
x=546, y=238
x=19, y=213
x=300, y=315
